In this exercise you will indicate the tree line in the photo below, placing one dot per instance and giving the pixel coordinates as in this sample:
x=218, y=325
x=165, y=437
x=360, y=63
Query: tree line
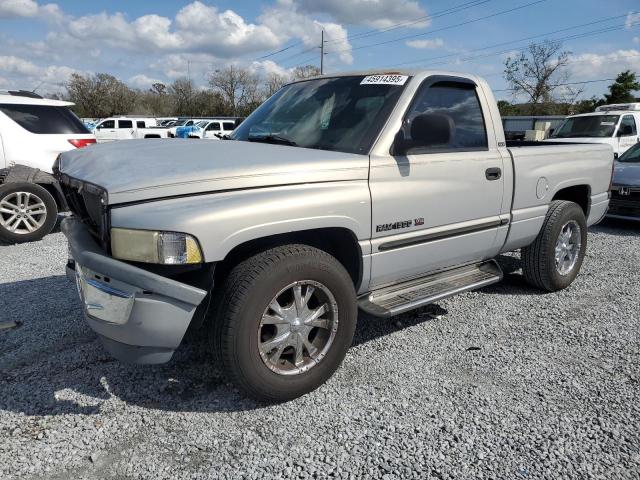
x=539, y=75
x=232, y=91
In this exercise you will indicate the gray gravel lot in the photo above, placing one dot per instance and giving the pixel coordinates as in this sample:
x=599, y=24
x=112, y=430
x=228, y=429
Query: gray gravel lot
x=500, y=383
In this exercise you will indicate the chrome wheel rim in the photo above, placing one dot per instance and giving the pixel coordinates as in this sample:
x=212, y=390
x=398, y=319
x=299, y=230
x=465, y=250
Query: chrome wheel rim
x=22, y=213
x=568, y=247
x=298, y=327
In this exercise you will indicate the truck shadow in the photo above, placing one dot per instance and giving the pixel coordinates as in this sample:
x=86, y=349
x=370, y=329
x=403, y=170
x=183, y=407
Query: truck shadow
x=621, y=228
x=53, y=364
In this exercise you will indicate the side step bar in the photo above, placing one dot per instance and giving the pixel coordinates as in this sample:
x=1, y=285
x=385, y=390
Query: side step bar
x=418, y=292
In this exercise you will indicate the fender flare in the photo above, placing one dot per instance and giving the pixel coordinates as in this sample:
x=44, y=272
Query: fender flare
x=25, y=174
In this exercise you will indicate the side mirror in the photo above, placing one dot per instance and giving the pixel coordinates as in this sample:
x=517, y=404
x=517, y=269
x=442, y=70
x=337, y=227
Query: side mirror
x=625, y=130
x=551, y=130
x=428, y=130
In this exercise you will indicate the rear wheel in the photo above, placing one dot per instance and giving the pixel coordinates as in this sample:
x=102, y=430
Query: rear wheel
x=285, y=320
x=28, y=212
x=554, y=259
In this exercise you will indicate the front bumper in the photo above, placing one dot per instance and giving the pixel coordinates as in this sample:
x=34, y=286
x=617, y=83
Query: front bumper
x=140, y=316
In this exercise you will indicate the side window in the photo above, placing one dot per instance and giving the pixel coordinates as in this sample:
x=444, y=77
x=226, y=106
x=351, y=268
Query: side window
x=213, y=127
x=628, y=126
x=140, y=124
x=108, y=124
x=445, y=116
x=228, y=126
x=125, y=124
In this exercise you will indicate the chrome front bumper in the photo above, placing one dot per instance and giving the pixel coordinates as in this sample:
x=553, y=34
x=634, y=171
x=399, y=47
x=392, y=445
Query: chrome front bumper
x=141, y=317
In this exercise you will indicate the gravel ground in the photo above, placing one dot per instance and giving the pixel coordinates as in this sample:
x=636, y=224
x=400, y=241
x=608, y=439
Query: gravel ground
x=500, y=383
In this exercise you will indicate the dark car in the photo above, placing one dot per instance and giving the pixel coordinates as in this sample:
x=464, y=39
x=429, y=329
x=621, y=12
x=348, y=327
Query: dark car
x=625, y=192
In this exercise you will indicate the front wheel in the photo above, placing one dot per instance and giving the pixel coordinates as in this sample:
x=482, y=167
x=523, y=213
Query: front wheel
x=554, y=259
x=285, y=320
x=28, y=212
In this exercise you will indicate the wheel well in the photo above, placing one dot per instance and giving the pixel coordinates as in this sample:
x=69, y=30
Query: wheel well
x=578, y=194
x=55, y=193
x=338, y=242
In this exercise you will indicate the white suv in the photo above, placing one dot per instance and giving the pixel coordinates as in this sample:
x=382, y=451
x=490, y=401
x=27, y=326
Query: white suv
x=33, y=132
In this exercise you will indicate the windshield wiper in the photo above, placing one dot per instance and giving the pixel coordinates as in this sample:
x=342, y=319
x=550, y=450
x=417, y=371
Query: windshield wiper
x=273, y=139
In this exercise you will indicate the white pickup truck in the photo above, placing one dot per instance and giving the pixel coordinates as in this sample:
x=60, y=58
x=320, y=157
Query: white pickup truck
x=615, y=125
x=378, y=191
x=128, y=128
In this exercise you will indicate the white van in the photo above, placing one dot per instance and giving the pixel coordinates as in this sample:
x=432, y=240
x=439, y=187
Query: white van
x=128, y=128
x=615, y=125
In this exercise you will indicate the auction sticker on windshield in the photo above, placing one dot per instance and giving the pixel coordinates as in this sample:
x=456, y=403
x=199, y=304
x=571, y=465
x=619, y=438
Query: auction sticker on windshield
x=384, y=80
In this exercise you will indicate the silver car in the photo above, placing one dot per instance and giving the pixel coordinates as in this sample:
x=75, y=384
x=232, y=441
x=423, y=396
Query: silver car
x=625, y=192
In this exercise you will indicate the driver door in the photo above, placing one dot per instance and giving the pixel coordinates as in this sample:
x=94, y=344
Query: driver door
x=627, y=134
x=437, y=205
x=106, y=131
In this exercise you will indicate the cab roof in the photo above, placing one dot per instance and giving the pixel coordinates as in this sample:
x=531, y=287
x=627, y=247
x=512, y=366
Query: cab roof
x=411, y=72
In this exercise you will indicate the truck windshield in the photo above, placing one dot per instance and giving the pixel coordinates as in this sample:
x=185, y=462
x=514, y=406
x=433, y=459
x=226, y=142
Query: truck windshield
x=341, y=114
x=591, y=126
x=632, y=155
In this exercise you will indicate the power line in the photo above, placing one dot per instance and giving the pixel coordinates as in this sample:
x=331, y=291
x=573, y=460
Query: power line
x=373, y=32
x=441, y=13
x=562, y=84
x=524, y=39
x=473, y=20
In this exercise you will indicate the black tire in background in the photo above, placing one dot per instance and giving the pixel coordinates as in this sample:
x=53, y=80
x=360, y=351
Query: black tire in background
x=539, y=258
x=246, y=295
x=10, y=195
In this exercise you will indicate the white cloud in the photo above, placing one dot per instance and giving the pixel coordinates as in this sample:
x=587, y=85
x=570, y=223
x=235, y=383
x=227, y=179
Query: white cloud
x=29, y=8
x=633, y=19
x=197, y=28
x=16, y=65
x=18, y=8
x=285, y=19
x=426, y=44
x=24, y=74
x=608, y=65
x=376, y=13
x=142, y=81
x=636, y=40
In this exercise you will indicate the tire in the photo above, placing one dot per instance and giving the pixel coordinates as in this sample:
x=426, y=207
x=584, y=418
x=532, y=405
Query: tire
x=28, y=228
x=539, y=264
x=243, y=303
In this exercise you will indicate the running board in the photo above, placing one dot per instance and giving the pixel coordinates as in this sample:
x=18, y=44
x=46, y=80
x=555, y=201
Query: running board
x=402, y=297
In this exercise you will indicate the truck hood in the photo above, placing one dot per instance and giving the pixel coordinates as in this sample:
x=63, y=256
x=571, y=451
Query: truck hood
x=627, y=174
x=137, y=170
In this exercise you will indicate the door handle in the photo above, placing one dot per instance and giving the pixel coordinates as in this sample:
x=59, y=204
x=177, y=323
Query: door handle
x=493, y=173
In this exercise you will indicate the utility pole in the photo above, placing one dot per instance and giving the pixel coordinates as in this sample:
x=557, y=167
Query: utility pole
x=322, y=52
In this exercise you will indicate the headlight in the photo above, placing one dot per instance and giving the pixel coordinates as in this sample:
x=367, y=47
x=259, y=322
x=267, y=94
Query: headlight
x=168, y=248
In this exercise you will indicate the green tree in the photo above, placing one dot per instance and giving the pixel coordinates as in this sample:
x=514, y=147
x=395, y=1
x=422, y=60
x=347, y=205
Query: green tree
x=620, y=90
x=100, y=95
x=537, y=73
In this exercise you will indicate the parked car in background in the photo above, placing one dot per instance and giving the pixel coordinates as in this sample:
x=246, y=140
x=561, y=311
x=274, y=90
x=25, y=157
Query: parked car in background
x=515, y=127
x=385, y=192
x=615, y=125
x=625, y=191
x=33, y=132
x=128, y=128
x=185, y=122
x=212, y=129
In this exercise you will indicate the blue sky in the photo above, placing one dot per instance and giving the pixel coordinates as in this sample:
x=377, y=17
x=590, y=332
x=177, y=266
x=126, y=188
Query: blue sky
x=42, y=43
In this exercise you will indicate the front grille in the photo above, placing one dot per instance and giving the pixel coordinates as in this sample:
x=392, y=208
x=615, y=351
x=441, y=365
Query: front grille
x=88, y=202
x=625, y=205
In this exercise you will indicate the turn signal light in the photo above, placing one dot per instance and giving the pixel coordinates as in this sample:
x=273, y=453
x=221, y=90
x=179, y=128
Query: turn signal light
x=82, y=142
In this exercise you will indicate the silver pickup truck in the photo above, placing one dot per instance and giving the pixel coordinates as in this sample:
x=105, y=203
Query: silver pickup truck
x=375, y=191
